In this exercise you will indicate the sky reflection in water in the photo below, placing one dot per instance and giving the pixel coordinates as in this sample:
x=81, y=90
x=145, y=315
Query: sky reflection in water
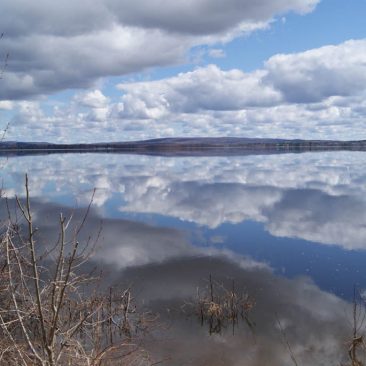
x=289, y=229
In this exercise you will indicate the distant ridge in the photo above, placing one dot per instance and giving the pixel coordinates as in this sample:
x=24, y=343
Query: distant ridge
x=186, y=146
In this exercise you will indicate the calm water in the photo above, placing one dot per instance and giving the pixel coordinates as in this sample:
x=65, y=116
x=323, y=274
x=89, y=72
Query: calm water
x=288, y=230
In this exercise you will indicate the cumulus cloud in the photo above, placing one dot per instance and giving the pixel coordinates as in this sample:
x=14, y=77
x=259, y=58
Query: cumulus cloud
x=97, y=103
x=315, y=75
x=42, y=64
x=93, y=99
x=319, y=93
x=55, y=47
x=206, y=88
x=6, y=105
x=203, y=16
x=314, y=94
x=307, y=77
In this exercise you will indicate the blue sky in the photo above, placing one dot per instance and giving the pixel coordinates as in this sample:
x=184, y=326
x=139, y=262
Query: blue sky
x=108, y=70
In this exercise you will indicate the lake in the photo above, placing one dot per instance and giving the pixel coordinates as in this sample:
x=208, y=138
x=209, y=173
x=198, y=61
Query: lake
x=285, y=233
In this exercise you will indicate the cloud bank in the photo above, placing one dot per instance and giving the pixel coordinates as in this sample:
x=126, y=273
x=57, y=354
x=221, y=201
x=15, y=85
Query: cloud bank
x=319, y=93
x=305, y=78
x=70, y=45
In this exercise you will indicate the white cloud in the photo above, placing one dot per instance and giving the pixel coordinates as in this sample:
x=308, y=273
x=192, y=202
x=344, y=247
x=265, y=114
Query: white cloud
x=203, y=16
x=317, y=74
x=6, y=105
x=216, y=53
x=307, y=77
x=55, y=47
x=320, y=93
x=97, y=103
x=206, y=88
x=315, y=94
x=49, y=63
x=94, y=99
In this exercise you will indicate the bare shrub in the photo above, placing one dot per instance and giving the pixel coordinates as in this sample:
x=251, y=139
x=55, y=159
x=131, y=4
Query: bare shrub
x=50, y=311
x=357, y=346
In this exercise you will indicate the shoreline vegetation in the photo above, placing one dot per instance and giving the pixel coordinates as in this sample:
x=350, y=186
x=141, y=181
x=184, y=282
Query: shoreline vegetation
x=53, y=310
x=186, y=146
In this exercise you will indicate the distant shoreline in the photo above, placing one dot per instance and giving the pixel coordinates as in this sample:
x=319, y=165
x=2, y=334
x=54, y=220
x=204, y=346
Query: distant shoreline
x=185, y=147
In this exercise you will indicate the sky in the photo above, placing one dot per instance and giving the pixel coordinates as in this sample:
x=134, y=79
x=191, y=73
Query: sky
x=115, y=70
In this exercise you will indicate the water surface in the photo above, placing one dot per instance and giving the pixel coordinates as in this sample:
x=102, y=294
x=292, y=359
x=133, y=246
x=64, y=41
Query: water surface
x=288, y=230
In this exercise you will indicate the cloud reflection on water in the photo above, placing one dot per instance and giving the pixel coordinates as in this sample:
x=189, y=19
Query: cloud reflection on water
x=165, y=270
x=317, y=197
